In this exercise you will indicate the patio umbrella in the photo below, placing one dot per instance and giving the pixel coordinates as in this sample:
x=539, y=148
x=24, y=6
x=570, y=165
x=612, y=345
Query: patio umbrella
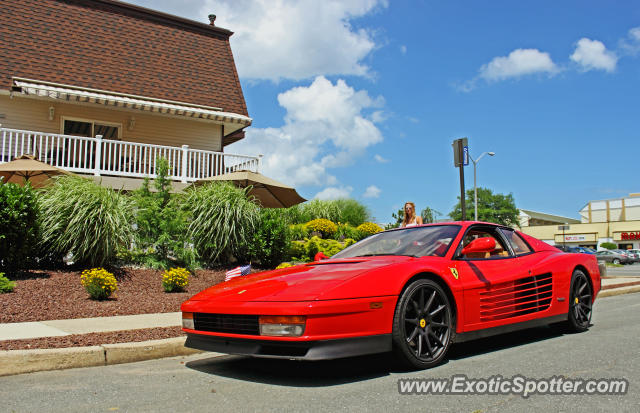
x=28, y=168
x=268, y=192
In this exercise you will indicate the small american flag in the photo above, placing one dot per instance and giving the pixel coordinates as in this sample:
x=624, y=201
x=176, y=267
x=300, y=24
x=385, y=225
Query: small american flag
x=241, y=270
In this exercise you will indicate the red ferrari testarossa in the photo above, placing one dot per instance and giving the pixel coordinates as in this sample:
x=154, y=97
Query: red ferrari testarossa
x=413, y=290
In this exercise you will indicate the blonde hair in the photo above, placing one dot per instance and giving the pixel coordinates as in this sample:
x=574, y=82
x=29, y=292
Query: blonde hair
x=405, y=220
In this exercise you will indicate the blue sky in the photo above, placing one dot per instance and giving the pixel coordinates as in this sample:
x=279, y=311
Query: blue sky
x=363, y=98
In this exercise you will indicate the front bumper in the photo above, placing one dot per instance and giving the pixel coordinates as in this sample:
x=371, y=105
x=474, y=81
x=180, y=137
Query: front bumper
x=298, y=350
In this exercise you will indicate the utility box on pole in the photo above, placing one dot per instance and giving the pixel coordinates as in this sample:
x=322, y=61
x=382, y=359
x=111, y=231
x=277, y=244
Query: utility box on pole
x=460, y=159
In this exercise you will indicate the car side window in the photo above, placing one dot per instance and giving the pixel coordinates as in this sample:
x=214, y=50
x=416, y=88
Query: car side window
x=519, y=246
x=500, y=251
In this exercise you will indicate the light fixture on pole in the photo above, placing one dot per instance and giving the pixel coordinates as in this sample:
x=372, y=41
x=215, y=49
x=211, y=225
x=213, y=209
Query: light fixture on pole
x=475, y=186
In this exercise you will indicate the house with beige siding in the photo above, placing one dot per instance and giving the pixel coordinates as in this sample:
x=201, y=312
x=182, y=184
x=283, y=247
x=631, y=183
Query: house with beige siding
x=105, y=88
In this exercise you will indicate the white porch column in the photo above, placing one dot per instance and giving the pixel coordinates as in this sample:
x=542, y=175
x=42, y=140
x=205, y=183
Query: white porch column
x=259, y=163
x=185, y=160
x=98, y=159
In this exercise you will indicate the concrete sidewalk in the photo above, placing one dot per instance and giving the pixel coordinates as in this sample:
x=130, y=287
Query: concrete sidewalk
x=57, y=328
x=24, y=361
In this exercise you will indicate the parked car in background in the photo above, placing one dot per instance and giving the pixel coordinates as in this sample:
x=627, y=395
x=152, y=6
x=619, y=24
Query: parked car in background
x=633, y=255
x=613, y=257
x=586, y=250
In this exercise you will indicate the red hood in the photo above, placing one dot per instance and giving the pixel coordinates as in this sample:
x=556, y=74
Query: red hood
x=304, y=282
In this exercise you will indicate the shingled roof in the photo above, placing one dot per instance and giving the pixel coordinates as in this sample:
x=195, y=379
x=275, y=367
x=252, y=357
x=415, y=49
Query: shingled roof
x=119, y=47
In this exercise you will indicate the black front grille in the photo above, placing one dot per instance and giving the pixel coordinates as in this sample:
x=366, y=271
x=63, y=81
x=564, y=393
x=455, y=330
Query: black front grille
x=227, y=323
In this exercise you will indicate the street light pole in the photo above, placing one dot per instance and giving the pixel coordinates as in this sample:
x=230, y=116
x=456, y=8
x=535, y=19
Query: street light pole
x=475, y=186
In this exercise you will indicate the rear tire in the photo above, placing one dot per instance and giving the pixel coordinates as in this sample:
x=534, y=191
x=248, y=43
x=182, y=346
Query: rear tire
x=580, y=304
x=423, y=325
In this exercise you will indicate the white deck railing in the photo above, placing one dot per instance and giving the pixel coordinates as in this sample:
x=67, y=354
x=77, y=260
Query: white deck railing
x=119, y=158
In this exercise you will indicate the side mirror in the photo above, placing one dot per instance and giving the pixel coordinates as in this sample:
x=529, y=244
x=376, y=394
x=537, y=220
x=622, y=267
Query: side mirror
x=486, y=244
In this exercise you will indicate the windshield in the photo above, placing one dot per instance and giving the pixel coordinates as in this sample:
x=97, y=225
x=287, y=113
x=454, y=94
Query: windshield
x=413, y=242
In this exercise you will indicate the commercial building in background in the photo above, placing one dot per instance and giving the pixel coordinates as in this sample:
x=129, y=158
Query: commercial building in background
x=105, y=88
x=610, y=220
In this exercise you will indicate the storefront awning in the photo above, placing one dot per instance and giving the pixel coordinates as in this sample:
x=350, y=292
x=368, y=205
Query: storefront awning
x=47, y=90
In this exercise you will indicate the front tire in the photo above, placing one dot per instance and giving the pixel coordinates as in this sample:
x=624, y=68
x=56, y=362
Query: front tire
x=616, y=261
x=581, y=303
x=423, y=325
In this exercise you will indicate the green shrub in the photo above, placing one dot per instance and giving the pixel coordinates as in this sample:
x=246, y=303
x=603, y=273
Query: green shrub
x=99, y=283
x=340, y=210
x=352, y=212
x=323, y=226
x=223, y=221
x=89, y=221
x=175, y=279
x=298, y=231
x=609, y=245
x=6, y=286
x=161, y=225
x=369, y=228
x=271, y=238
x=319, y=209
x=18, y=226
x=306, y=250
x=347, y=231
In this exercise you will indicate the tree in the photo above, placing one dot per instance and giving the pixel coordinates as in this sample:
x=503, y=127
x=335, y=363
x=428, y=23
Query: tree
x=398, y=217
x=496, y=208
x=429, y=215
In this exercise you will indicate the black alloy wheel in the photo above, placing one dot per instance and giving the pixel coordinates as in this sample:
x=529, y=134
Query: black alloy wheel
x=580, y=306
x=423, y=324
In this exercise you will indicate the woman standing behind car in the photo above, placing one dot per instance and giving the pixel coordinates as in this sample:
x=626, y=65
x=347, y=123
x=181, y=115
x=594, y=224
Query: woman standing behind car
x=410, y=219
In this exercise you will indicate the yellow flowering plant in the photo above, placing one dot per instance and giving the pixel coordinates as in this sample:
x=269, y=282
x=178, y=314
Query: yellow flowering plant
x=323, y=226
x=284, y=265
x=369, y=228
x=99, y=283
x=175, y=279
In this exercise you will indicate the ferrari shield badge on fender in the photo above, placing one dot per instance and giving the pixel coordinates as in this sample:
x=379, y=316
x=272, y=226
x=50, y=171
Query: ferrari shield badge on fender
x=454, y=272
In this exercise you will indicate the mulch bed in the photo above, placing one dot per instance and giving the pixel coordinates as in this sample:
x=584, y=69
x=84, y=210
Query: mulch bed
x=92, y=339
x=56, y=295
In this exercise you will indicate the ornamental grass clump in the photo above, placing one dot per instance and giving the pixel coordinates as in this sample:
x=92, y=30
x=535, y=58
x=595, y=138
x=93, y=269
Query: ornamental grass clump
x=80, y=217
x=369, y=228
x=99, y=283
x=175, y=280
x=323, y=226
x=223, y=221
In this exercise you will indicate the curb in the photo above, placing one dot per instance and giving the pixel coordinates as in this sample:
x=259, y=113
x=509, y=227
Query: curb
x=28, y=361
x=619, y=291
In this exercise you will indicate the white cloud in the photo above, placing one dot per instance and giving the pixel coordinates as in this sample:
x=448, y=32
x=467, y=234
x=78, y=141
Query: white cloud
x=403, y=49
x=593, y=55
x=334, y=193
x=631, y=45
x=325, y=127
x=380, y=158
x=520, y=62
x=372, y=191
x=296, y=39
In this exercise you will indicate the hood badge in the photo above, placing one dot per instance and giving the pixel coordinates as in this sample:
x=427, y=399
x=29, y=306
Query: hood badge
x=454, y=272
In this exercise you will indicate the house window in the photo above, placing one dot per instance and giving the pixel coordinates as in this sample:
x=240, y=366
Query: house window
x=77, y=127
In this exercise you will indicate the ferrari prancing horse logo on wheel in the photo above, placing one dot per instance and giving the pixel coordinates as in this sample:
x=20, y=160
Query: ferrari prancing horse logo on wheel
x=454, y=271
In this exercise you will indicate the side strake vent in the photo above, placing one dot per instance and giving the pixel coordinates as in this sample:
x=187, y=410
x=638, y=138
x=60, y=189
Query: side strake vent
x=227, y=323
x=515, y=298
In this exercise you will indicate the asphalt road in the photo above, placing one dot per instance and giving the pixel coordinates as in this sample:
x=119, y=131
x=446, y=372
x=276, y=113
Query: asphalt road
x=202, y=383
